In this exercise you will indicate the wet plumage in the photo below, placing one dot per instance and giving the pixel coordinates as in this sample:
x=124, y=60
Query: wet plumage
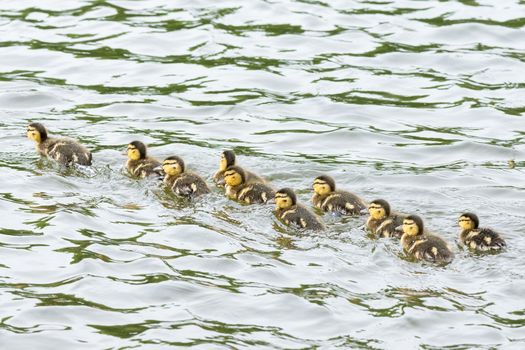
x=228, y=159
x=182, y=182
x=291, y=213
x=139, y=164
x=382, y=222
x=423, y=246
x=63, y=150
x=237, y=188
x=476, y=238
x=328, y=199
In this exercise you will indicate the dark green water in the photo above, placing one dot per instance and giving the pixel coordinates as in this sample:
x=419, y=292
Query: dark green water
x=417, y=102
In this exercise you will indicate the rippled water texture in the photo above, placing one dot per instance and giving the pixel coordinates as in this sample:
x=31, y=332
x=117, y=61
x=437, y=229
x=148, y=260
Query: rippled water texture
x=417, y=102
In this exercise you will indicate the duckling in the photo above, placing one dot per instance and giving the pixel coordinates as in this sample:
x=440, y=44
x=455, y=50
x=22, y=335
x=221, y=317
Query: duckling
x=237, y=187
x=228, y=159
x=382, y=221
x=63, y=150
x=288, y=211
x=421, y=245
x=328, y=199
x=476, y=238
x=138, y=163
x=182, y=182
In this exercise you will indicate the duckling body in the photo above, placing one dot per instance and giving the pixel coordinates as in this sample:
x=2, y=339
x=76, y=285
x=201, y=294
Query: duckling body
x=291, y=213
x=328, y=199
x=423, y=246
x=182, y=182
x=228, y=159
x=476, y=238
x=238, y=189
x=62, y=150
x=139, y=164
x=382, y=222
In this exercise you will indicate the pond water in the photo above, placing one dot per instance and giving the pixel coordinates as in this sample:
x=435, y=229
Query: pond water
x=417, y=102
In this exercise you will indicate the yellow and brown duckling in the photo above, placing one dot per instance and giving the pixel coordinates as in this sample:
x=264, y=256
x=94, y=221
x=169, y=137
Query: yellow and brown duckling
x=139, y=164
x=63, y=150
x=182, y=182
x=237, y=188
x=423, y=246
x=227, y=160
x=476, y=238
x=382, y=222
x=328, y=199
x=291, y=213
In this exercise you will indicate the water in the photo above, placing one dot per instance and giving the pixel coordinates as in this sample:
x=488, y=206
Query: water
x=417, y=102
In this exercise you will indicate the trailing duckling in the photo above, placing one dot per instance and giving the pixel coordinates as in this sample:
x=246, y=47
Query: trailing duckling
x=476, y=238
x=291, y=213
x=139, y=164
x=182, y=182
x=63, y=150
x=237, y=188
x=227, y=160
x=328, y=199
x=382, y=222
x=423, y=246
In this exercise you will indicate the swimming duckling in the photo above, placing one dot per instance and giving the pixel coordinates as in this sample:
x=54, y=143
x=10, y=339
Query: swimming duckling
x=138, y=163
x=63, y=150
x=237, y=187
x=228, y=159
x=183, y=183
x=288, y=211
x=381, y=221
x=423, y=246
x=480, y=239
x=328, y=199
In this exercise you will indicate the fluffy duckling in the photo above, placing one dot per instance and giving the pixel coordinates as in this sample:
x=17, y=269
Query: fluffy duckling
x=182, y=182
x=423, y=246
x=382, y=222
x=288, y=211
x=63, y=150
x=476, y=238
x=138, y=163
x=327, y=198
x=227, y=160
x=237, y=188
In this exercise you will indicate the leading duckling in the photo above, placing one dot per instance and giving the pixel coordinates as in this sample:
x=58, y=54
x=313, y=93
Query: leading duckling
x=182, y=182
x=227, y=160
x=328, y=199
x=237, y=188
x=63, y=150
x=139, y=164
x=476, y=238
x=423, y=246
x=291, y=213
x=382, y=222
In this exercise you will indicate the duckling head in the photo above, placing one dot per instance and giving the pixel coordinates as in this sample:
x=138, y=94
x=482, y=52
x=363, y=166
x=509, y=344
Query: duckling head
x=36, y=132
x=468, y=221
x=173, y=166
x=324, y=185
x=413, y=225
x=136, y=150
x=234, y=176
x=379, y=209
x=285, y=198
x=227, y=159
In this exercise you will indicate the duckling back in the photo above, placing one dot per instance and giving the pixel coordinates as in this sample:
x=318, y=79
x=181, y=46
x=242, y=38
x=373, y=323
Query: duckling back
x=299, y=216
x=65, y=151
x=428, y=247
x=255, y=193
x=144, y=167
x=482, y=239
x=386, y=227
x=189, y=185
x=341, y=202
